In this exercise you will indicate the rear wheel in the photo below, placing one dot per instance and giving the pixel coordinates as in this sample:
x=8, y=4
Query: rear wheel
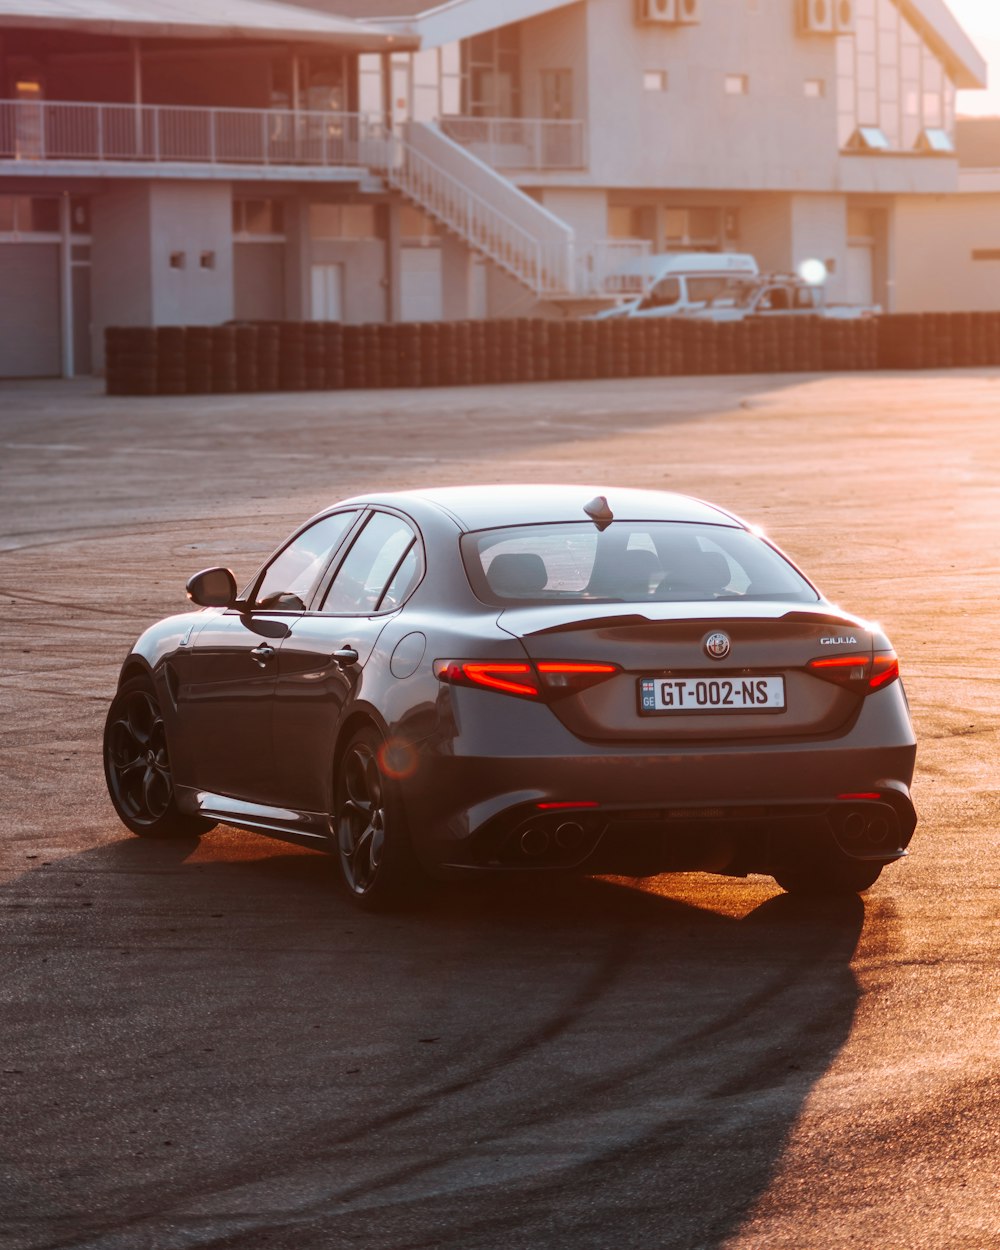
x=376, y=859
x=137, y=766
x=828, y=875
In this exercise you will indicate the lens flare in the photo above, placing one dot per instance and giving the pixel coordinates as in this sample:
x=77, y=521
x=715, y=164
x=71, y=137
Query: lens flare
x=813, y=271
x=397, y=759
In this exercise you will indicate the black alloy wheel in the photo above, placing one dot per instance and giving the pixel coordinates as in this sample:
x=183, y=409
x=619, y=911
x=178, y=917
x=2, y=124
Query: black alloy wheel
x=376, y=859
x=137, y=766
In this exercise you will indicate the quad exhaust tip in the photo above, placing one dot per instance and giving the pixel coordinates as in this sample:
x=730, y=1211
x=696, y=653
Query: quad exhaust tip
x=570, y=836
x=553, y=842
x=534, y=841
x=861, y=829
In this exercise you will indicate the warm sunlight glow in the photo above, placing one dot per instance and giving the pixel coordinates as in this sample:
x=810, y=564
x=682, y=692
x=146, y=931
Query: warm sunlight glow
x=813, y=272
x=981, y=21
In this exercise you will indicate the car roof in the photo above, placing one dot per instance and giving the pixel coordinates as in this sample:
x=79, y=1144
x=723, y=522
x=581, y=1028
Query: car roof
x=488, y=507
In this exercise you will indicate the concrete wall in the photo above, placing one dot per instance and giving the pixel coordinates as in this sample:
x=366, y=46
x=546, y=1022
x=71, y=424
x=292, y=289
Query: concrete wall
x=819, y=232
x=766, y=230
x=694, y=134
x=933, y=241
x=194, y=219
x=585, y=209
x=121, y=261
x=136, y=227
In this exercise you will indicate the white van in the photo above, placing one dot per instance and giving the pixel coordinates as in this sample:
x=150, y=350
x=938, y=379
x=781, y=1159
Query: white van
x=678, y=283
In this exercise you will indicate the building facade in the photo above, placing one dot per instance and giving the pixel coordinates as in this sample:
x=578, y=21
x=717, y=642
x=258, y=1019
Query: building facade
x=368, y=160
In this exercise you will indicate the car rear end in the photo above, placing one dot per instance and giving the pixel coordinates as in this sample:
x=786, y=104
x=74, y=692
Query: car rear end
x=665, y=696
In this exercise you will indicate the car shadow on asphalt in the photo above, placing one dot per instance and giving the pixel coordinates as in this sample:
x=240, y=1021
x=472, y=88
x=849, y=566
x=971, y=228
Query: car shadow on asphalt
x=206, y=1042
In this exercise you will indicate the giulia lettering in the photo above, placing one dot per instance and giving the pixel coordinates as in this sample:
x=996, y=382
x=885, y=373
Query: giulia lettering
x=833, y=642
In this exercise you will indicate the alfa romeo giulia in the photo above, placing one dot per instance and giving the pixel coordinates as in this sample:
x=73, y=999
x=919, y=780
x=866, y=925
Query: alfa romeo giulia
x=523, y=680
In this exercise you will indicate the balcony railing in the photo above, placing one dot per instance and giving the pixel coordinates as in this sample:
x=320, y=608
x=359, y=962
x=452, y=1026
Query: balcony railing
x=448, y=179
x=531, y=143
x=53, y=131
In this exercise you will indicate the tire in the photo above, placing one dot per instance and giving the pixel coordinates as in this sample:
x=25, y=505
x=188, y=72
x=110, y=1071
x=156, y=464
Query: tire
x=137, y=766
x=829, y=876
x=372, y=844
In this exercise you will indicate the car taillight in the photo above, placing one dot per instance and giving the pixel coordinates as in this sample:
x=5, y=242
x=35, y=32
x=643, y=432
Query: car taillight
x=885, y=668
x=508, y=678
x=547, y=679
x=861, y=673
x=568, y=676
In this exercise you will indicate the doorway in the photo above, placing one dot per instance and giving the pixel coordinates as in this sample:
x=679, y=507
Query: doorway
x=328, y=292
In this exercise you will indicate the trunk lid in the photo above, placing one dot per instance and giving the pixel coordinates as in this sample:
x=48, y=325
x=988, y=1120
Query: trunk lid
x=667, y=643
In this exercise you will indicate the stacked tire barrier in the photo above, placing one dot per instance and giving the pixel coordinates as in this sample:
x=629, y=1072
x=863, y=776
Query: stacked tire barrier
x=317, y=355
x=939, y=340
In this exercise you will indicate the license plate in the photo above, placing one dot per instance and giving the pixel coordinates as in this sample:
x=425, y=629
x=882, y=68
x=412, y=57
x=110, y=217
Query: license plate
x=711, y=694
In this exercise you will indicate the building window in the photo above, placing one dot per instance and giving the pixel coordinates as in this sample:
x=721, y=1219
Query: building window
x=868, y=139
x=29, y=215
x=654, y=80
x=889, y=80
x=342, y=221
x=737, y=84
x=491, y=73
x=79, y=215
x=258, y=219
x=370, y=84
x=695, y=229
x=814, y=88
x=934, y=139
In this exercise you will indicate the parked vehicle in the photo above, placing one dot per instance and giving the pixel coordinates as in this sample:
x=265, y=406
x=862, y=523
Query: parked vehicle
x=777, y=295
x=523, y=679
x=678, y=283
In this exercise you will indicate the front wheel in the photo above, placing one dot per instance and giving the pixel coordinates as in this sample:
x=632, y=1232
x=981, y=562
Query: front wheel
x=376, y=859
x=137, y=766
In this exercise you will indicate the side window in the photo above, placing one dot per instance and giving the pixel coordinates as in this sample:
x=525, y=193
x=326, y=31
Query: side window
x=293, y=573
x=666, y=293
x=403, y=579
x=383, y=559
x=775, y=300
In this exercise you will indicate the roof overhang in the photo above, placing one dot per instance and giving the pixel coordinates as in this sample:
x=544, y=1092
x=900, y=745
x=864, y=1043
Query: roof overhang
x=461, y=19
x=936, y=23
x=203, y=19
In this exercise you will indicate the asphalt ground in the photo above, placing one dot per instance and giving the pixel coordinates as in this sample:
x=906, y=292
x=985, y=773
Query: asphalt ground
x=204, y=1045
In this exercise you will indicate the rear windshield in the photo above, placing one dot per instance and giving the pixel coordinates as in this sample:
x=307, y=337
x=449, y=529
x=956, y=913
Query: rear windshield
x=629, y=562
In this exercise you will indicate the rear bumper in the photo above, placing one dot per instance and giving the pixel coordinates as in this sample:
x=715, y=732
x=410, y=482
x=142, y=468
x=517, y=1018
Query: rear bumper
x=730, y=807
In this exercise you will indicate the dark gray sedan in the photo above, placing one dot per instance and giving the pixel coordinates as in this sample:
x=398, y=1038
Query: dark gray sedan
x=523, y=679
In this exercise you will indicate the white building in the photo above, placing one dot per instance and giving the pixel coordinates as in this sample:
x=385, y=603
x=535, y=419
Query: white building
x=382, y=159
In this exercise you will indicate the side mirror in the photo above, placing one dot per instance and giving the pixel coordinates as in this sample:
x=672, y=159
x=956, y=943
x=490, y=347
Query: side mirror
x=212, y=588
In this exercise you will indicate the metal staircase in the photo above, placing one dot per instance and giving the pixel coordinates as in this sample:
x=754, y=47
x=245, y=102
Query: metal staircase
x=482, y=207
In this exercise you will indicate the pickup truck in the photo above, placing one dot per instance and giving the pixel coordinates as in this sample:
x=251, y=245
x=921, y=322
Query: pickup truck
x=777, y=295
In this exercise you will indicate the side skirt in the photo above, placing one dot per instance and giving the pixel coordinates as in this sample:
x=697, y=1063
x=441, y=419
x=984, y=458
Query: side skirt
x=284, y=823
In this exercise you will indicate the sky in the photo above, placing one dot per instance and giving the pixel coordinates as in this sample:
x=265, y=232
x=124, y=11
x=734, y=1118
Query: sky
x=981, y=20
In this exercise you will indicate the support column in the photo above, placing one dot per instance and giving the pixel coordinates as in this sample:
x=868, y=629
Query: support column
x=137, y=96
x=456, y=279
x=393, y=264
x=386, y=62
x=66, y=286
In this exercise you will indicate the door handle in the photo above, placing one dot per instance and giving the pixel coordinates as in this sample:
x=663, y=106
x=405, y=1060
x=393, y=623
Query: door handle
x=260, y=655
x=346, y=656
